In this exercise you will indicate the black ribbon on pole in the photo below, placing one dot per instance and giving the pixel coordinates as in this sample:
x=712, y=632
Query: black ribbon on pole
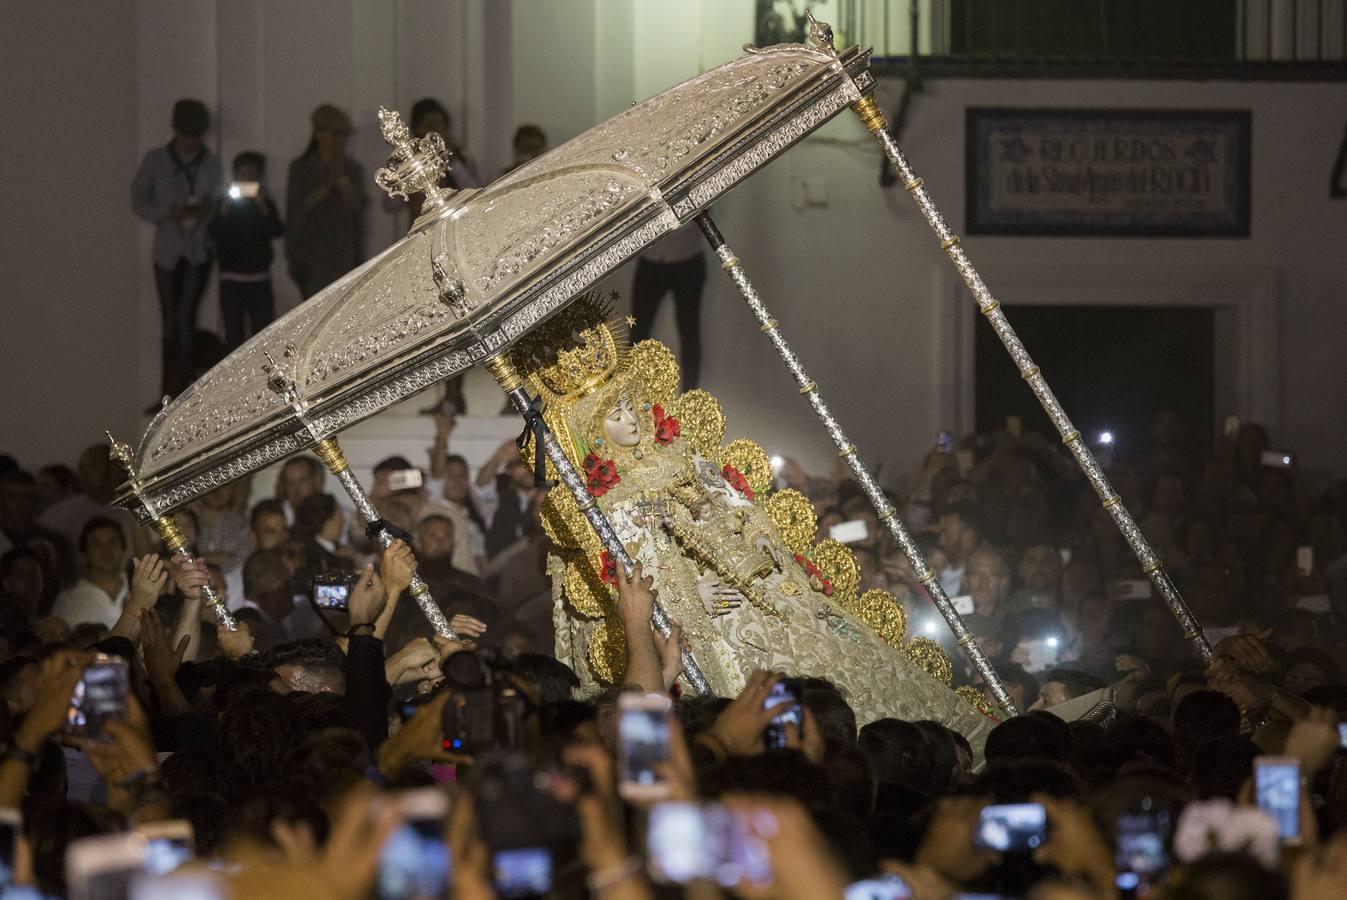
x=378, y=525
x=535, y=425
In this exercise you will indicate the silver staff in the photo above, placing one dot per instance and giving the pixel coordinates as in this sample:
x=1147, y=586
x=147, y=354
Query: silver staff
x=510, y=381
x=847, y=450
x=168, y=530
x=868, y=111
x=329, y=451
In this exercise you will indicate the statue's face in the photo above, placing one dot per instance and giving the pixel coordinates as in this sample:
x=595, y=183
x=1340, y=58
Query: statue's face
x=621, y=426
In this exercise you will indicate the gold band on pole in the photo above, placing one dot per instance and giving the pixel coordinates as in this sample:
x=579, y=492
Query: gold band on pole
x=870, y=114
x=329, y=451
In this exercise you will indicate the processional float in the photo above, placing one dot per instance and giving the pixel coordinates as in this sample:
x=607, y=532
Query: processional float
x=480, y=269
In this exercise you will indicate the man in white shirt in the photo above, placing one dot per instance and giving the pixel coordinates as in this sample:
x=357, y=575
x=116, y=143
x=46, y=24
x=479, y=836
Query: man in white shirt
x=99, y=596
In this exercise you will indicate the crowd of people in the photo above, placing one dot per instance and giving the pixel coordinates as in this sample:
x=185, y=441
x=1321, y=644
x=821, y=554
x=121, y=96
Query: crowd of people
x=292, y=743
x=201, y=219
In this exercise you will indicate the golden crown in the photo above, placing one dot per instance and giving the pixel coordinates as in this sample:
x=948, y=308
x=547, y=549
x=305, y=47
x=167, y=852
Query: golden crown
x=575, y=352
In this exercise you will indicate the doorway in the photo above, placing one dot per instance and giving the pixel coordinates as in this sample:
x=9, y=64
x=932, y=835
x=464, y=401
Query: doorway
x=1112, y=367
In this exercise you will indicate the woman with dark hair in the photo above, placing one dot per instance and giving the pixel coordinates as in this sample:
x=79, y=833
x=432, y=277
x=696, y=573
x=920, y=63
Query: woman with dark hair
x=325, y=206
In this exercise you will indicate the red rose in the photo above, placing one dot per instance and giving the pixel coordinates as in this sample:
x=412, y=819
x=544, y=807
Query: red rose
x=600, y=474
x=667, y=428
x=608, y=568
x=735, y=479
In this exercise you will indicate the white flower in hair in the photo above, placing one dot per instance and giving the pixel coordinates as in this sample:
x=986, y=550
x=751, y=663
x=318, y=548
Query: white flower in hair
x=1219, y=826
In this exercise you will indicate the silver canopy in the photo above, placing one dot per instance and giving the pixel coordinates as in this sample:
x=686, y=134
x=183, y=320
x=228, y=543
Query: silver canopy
x=483, y=267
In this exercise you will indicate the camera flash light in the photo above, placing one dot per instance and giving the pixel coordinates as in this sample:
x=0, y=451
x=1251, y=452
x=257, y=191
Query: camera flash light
x=929, y=627
x=1052, y=642
x=234, y=192
x=1105, y=437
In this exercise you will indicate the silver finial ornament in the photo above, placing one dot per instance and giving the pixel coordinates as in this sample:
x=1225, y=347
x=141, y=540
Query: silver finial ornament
x=820, y=34
x=416, y=165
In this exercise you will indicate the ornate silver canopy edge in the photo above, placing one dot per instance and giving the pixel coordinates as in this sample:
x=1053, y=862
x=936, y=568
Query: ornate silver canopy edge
x=819, y=86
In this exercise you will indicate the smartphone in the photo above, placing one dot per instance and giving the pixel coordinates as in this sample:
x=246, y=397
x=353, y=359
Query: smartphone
x=244, y=189
x=1139, y=848
x=1276, y=781
x=169, y=844
x=523, y=872
x=849, y=532
x=415, y=861
x=963, y=604
x=1011, y=827
x=11, y=826
x=774, y=736
x=1042, y=653
x=1014, y=426
x=1276, y=459
x=332, y=590
x=1065, y=554
x=690, y=842
x=103, y=867
x=944, y=442
x=885, y=887
x=1134, y=589
x=99, y=695
x=1305, y=560
x=1342, y=735
x=180, y=885
x=1231, y=426
x=404, y=480
x=642, y=745
x=1315, y=603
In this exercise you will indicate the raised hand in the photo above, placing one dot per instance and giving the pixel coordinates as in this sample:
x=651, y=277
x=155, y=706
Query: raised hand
x=396, y=567
x=739, y=727
x=148, y=578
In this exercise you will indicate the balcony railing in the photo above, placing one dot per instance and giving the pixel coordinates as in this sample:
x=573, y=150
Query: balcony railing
x=1203, y=39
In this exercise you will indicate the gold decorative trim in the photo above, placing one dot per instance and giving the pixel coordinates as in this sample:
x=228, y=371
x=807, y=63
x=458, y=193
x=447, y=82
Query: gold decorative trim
x=847, y=451
x=809, y=388
x=870, y=114
x=169, y=533
x=1031, y=374
x=951, y=241
x=794, y=517
x=991, y=307
x=838, y=564
x=1152, y=568
x=914, y=184
x=931, y=657
x=1071, y=438
x=329, y=451
x=768, y=326
x=730, y=263
x=752, y=462
x=503, y=370
x=703, y=421
x=1112, y=501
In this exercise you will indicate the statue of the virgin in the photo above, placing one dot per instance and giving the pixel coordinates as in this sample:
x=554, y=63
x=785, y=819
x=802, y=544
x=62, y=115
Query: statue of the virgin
x=733, y=561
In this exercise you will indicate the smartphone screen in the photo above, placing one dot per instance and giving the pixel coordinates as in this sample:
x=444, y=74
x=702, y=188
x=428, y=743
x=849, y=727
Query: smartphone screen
x=1139, y=849
x=99, y=696
x=164, y=854
x=1305, y=560
x=642, y=744
x=944, y=442
x=330, y=592
x=104, y=867
x=11, y=823
x=774, y=737
x=404, y=479
x=415, y=861
x=1342, y=735
x=525, y=872
x=240, y=189
x=849, y=532
x=676, y=842
x=1277, y=786
x=1276, y=459
x=1041, y=654
x=963, y=604
x=1011, y=827
x=885, y=887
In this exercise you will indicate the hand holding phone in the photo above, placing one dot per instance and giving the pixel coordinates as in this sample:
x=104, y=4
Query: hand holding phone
x=1277, y=788
x=688, y=842
x=415, y=859
x=642, y=745
x=787, y=689
x=99, y=696
x=1011, y=827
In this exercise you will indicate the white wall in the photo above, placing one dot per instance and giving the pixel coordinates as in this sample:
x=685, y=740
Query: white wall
x=69, y=255
x=858, y=285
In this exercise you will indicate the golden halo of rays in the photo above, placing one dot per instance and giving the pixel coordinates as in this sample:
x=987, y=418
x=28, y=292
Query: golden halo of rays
x=838, y=564
x=565, y=524
x=701, y=419
x=752, y=462
x=585, y=590
x=883, y=613
x=607, y=652
x=932, y=657
x=978, y=700
x=657, y=367
x=794, y=517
